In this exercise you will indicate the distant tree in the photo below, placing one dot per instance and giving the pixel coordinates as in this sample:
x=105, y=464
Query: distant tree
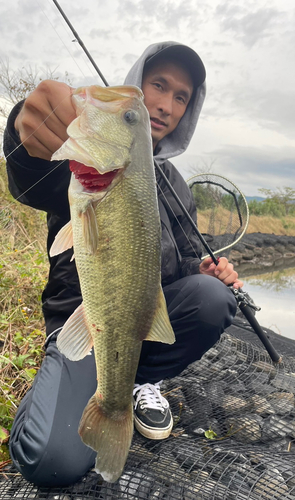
x=200, y=194
x=204, y=166
x=282, y=197
x=277, y=203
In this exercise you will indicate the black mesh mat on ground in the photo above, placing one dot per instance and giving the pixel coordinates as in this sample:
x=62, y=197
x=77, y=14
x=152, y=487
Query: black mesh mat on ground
x=237, y=397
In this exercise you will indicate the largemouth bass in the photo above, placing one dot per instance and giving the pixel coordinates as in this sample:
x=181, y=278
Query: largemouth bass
x=115, y=233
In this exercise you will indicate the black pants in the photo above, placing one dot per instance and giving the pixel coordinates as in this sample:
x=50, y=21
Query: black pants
x=44, y=443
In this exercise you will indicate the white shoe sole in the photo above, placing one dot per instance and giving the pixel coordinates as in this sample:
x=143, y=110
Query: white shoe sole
x=150, y=432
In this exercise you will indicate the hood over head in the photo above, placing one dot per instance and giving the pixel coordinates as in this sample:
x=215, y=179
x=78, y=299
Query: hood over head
x=177, y=142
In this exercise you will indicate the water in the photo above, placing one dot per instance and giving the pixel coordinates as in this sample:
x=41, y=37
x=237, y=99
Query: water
x=274, y=292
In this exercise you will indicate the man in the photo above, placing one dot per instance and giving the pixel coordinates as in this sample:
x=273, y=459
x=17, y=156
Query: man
x=44, y=442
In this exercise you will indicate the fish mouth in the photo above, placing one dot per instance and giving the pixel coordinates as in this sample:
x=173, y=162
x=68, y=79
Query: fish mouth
x=90, y=178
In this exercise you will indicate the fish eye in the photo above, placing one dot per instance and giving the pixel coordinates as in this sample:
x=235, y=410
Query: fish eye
x=131, y=116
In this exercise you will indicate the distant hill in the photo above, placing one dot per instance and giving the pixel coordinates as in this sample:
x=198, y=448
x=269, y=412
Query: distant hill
x=257, y=198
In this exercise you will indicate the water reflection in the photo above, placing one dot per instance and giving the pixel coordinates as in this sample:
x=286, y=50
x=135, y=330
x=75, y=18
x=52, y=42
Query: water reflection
x=274, y=292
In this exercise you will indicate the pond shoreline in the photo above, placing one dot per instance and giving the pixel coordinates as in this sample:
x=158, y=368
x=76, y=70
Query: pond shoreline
x=262, y=252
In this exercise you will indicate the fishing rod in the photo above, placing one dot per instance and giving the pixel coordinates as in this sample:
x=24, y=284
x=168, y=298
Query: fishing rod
x=244, y=304
x=80, y=42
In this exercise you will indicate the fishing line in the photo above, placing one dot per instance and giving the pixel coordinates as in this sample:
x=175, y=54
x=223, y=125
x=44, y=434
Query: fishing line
x=53, y=111
x=79, y=40
x=40, y=180
x=45, y=119
x=62, y=41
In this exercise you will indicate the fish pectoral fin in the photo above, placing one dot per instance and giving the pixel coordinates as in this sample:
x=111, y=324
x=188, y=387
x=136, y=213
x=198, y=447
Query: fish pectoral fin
x=90, y=229
x=109, y=435
x=161, y=329
x=63, y=240
x=75, y=340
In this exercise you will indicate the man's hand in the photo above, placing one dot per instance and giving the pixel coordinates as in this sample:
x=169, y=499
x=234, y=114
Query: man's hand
x=43, y=120
x=224, y=271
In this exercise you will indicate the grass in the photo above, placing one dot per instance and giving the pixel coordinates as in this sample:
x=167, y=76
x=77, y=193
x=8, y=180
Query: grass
x=23, y=273
x=266, y=224
x=220, y=221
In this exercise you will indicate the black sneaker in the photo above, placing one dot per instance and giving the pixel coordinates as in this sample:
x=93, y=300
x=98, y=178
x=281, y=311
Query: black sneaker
x=152, y=415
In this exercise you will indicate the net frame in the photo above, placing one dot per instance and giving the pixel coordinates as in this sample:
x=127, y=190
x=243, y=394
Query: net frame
x=242, y=208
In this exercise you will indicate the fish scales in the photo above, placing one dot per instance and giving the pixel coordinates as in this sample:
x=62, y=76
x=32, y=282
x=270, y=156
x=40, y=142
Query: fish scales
x=126, y=271
x=115, y=232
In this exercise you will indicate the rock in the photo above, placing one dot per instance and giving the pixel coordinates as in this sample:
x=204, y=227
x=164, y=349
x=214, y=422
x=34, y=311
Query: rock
x=257, y=252
x=280, y=445
x=248, y=254
x=23, y=493
x=285, y=381
x=265, y=367
x=206, y=488
x=187, y=452
x=236, y=255
x=261, y=405
x=280, y=248
x=135, y=485
x=271, y=485
x=233, y=404
x=282, y=402
x=246, y=428
x=275, y=427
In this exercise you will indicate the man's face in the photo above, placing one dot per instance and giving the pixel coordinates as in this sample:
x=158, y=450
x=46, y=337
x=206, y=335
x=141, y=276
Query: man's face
x=167, y=89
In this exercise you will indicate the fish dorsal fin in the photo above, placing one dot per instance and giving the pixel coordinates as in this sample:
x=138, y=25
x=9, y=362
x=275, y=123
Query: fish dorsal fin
x=161, y=329
x=74, y=340
x=63, y=240
x=90, y=229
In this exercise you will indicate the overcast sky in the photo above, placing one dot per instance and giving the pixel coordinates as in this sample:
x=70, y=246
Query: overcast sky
x=247, y=127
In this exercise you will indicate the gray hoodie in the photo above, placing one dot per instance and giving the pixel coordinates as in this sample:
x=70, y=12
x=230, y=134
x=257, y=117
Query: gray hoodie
x=181, y=249
x=62, y=294
x=177, y=142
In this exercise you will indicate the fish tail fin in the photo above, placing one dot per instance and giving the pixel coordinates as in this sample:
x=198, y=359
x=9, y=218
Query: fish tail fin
x=109, y=435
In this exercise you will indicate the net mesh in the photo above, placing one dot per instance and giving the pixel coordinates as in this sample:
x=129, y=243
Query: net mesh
x=222, y=209
x=233, y=435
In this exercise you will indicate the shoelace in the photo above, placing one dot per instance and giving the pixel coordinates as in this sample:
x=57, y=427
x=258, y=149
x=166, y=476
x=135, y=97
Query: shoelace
x=149, y=396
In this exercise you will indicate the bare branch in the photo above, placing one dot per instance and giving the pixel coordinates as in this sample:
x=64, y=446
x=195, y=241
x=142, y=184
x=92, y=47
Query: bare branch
x=16, y=85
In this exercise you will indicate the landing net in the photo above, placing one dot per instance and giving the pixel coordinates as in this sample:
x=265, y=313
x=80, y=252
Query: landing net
x=222, y=210
x=233, y=438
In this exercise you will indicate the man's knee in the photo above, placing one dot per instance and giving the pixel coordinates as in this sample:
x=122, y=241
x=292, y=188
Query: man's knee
x=53, y=464
x=45, y=445
x=202, y=295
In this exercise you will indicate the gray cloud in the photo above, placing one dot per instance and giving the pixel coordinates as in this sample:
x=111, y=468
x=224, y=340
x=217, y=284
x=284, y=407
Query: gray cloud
x=248, y=27
x=247, y=47
x=254, y=168
x=105, y=34
x=250, y=168
x=130, y=59
x=272, y=109
x=169, y=15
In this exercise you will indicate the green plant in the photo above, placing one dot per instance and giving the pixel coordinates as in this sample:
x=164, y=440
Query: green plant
x=23, y=272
